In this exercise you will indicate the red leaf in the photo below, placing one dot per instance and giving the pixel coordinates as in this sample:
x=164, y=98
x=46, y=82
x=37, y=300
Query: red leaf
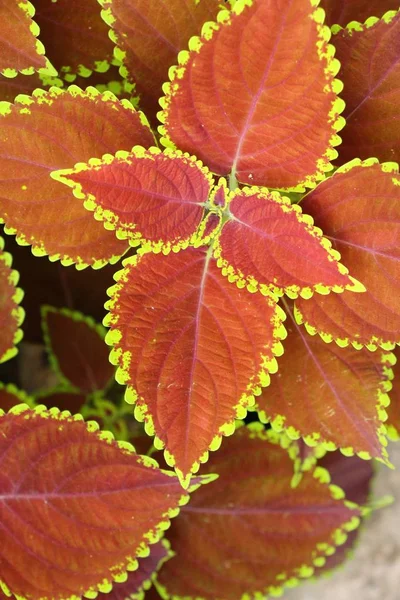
x=359, y=211
x=140, y=580
x=256, y=95
x=75, y=36
x=19, y=48
x=330, y=395
x=393, y=410
x=341, y=12
x=269, y=245
x=11, y=314
x=11, y=396
x=149, y=34
x=76, y=347
x=62, y=399
x=193, y=349
x=50, y=131
x=370, y=71
x=249, y=532
x=76, y=508
x=145, y=195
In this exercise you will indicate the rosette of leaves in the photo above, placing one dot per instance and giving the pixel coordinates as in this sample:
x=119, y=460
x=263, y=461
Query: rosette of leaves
x=254, y=226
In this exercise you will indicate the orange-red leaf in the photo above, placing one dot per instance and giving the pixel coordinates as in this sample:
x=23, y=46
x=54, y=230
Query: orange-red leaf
x=149, y=34
x=370, y=71
x=192, y=347
x=19, y=48
x=74, y=34
x=147, y=196
x=256, y=96
x=50, y=131
x=11, y=314
x=247, y=533
x=270, y=245
x=359, y=211
x=76, y=508
x=76, y=347
x=341, y=12
x=330, y=395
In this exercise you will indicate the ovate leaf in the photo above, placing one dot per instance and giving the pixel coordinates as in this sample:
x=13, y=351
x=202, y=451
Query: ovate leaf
x=19, y=48
x=76, y=348
x=192, y=347
x=256, y=95
x=370, y=71
x=149, y=34
x=359, y=211
x=330, y=395
x=75, y=36
x=147, y=196
x=140, y=580
x=270, y=245
x=76, y=508
x=341, y=12
x=249, y=533
x=11, y=314
x=50, y=131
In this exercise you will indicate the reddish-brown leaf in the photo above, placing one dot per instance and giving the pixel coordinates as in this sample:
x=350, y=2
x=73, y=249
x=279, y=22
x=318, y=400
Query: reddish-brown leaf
x=256, y=96
x=248, y=532
x=149, y=197
x=50, y=131
x=140, y=580
x=341, y=12
x=74, y=34
x=62, y=399
x=149, y=34
x=370, y=58
x=359, y=211
x=192, y=347
x=76, y=508
x=330, y=395
x=19, y=48
x=269, y=245
x=77, y=350
x=24, y=84
x=11, y=314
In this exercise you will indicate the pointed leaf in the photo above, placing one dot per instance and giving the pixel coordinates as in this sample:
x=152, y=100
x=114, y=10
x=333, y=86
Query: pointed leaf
x=19, y=48
x=146, y=196
x=370, y=71
x=50, y=131
x=242, y=102
x=140, y=580
x=11, y=396
x=149, y=34
x=75, y=35
x=270, y=245
x=76, y=348
x=11, y=314
x=76, y=508
x=249, y=533
x=393, y=410
x=359, y=211
x=192, y=347
x=330, y=395
x=341, y=12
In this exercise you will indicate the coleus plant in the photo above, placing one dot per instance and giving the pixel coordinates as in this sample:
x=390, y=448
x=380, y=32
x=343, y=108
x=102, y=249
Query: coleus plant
x=249, y=224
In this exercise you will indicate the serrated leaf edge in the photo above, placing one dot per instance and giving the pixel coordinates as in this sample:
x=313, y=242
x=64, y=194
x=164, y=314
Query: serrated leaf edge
x=17, y=313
